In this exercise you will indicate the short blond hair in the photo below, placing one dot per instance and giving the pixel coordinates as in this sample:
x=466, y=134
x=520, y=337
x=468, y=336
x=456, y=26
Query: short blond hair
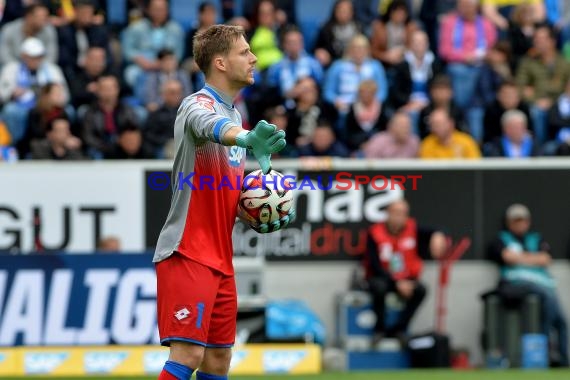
x=217, y=39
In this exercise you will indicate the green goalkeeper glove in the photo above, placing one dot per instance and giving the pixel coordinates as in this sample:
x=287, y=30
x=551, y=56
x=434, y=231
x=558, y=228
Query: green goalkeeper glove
x=263, y=140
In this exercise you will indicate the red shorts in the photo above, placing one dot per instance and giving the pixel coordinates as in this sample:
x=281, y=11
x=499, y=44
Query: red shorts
x=195, y=303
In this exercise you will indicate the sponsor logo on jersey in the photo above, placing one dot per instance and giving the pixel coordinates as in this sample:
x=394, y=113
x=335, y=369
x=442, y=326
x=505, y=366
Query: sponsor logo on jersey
x=205, y=102
x=182, y=314
x=282, y=361
x=103, y=362
x=236, y=155
x=43, y=363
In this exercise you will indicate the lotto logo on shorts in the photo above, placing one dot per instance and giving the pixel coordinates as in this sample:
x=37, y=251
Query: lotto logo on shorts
x=182, y=314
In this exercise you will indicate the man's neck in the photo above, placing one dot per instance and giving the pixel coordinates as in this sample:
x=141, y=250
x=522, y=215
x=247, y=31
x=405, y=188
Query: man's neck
x=223, y=86
x=108, y=105
x=28, y=30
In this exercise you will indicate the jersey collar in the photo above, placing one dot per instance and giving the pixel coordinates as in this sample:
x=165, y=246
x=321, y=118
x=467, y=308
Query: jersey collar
x=219, y=96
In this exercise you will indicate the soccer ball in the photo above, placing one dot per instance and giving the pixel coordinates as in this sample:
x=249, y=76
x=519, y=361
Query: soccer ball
x=264, y=199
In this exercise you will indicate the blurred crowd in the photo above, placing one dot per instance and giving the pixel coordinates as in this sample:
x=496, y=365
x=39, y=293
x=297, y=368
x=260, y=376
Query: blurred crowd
x=376, y=79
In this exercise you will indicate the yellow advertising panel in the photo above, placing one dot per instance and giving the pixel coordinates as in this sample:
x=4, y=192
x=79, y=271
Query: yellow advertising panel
x=147, y=360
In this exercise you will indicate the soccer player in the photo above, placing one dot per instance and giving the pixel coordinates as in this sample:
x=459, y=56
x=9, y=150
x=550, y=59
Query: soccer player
x=196, y=291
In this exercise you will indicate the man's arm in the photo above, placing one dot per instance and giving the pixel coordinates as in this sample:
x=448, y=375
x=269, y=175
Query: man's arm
x=539, y=259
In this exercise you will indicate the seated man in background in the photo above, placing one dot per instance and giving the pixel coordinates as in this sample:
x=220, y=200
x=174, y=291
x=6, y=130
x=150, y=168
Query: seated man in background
x=59, y=143
x=516, y=141
x=324, y=143
x=394, y=264
x=446, y=142
x=397, y=141
x=524, y=257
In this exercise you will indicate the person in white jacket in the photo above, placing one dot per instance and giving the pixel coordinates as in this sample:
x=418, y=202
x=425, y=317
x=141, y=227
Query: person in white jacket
x=19, y=82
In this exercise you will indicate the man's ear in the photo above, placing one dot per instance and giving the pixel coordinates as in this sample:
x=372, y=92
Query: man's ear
x=220, y=63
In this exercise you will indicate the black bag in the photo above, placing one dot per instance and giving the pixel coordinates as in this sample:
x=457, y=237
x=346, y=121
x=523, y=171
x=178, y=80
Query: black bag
x=431, y=350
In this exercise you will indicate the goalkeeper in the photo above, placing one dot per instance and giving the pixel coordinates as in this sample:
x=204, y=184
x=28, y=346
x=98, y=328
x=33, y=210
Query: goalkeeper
x=196, y=291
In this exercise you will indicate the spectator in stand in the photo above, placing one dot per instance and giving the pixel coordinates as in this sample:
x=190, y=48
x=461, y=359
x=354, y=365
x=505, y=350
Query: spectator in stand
x=20, y=82
x=143, y=40
x=153, y=80
x=508, y=98
x=559, y=123
x=278, y=117
x=345, y=75
x=83, y=83
x=324, y=143
x=441, y=96
x=65, y=12
x=495, y=70
x=391, y=34
x=58, y=143
x=542, y=77
x=309, y=108
x=413, y=76
x=78, y=36
x=336, y=34
x=521, y=31
x=159, y=129
x=129, y=145
x=366, y=117
x=295, y=65
x=516, y=141
x=499, y=11
x=558, y=15
x=51, y=104
x=105, y=119
x=264, y=40
x=207, y=16
x=394, y=263
x=445, y=142
x=34, y=23
x=465, y=38
x=524, y=257
x=431, y=12
x=397, y=141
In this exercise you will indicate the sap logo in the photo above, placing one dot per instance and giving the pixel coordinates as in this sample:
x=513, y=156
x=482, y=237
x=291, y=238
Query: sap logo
x=103, y=362
x=43, y=363
x=282, y=361
x=236, y=155
x=237, y=358
x=154, y=361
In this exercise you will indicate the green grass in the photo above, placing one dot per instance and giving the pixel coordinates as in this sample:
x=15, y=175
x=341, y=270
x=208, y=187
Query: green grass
x=401, y=375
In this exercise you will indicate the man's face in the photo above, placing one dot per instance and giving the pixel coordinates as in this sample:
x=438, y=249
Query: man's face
x=33, y=63
x=398, y=214
x=323, y=139
x=509, y=97
x=241, y=63
x=84, y=15
x=358, y=52
x=209, y=16
x=59, y=132
x=108, y=89
x=172, y=94
x=542, y=41
x=515, y=130
x=519, y=226
x=38, y=18
x=131, y=142
x=293, y=44
x=467, y=8
x=400, y=128
x=440, y=124
x=419, y=43
x=441, y=94
x=95, y=61
x=158, y=11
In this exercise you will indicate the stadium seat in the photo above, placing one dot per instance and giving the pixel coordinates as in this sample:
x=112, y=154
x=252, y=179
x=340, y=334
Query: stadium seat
x=311, y=15
x=117, y=12
x=187, y=15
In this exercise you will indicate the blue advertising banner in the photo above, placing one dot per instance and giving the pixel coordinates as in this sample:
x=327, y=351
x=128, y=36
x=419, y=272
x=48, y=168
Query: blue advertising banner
x=77, y=300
